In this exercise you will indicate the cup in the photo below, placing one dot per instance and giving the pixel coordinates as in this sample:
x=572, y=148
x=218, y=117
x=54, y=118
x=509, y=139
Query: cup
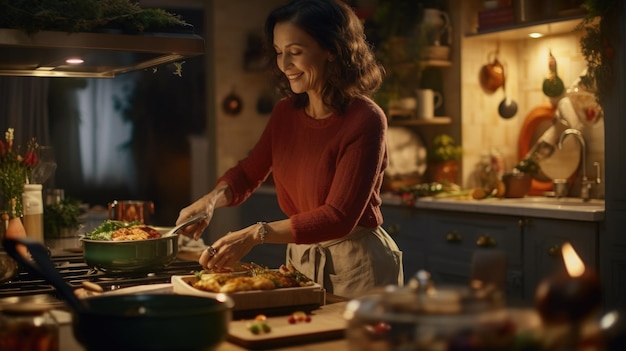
x=131, y=210
x=427, y=101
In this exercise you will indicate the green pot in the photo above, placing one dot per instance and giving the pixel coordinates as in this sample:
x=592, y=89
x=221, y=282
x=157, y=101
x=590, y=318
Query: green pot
x=130, y=255
x=152, y=322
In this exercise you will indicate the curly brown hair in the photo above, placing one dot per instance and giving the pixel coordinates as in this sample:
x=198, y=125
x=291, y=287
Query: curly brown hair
x=336, y=28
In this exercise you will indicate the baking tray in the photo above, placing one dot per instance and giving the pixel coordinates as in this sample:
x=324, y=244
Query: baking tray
x=269, y=302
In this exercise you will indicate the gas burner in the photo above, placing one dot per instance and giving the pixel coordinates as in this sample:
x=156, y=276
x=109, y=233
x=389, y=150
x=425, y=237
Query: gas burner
x=74, y=271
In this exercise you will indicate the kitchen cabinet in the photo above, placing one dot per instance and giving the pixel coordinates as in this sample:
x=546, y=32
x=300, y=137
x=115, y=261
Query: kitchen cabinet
x=455, y=237
x=444, y=243
x=543, y=239
x=409, y=228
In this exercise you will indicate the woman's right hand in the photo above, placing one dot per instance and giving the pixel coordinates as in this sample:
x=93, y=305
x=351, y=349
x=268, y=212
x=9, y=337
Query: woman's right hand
x=207, y=204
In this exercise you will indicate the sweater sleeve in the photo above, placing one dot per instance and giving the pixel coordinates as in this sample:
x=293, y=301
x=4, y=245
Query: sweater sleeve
x=251, y=171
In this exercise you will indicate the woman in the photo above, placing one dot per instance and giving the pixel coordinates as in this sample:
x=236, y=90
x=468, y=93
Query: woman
x=325, y=145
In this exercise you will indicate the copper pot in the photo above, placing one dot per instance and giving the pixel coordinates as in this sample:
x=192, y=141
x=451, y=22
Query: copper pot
x=491, y=76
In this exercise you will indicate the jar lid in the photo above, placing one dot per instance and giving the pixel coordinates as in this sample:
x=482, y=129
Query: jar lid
x=25, y=308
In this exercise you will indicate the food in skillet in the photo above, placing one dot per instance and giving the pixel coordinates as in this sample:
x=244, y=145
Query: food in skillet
x=112, y=230
x=254, y=278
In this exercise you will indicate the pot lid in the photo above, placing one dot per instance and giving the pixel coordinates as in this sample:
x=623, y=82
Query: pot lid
x=104, y=54
x=420, y=297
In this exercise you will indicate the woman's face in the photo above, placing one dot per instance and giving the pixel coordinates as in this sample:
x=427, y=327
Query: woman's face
x=300, y=58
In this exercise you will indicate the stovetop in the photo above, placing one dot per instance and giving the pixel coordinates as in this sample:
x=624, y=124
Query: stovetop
x=75, y=271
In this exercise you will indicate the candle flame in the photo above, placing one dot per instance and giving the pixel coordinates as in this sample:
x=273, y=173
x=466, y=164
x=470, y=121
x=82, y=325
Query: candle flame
x=574, y=265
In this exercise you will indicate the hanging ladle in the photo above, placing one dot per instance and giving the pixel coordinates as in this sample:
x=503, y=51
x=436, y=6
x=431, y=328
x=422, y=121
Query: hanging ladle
x=508, y=107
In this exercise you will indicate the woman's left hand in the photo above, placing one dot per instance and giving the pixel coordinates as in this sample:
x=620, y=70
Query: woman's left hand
x=229, y=249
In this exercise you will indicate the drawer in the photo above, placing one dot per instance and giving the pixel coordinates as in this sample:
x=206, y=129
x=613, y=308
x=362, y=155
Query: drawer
x=458, y=236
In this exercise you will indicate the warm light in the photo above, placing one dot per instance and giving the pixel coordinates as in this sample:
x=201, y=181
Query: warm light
x=574, y=265
x=535, y=35
x=74, y=61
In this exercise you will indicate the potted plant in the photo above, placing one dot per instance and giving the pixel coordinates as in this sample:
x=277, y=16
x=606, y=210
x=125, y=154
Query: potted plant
x=518, y=182
x=443, y=159
x=61, y=219
x=395, y=32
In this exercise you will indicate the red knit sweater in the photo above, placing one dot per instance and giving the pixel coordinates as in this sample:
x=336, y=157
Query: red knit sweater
x=327, y=172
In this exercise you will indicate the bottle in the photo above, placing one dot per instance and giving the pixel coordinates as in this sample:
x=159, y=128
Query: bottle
x=32, y=202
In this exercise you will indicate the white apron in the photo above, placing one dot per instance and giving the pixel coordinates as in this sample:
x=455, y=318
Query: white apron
x=350, y=266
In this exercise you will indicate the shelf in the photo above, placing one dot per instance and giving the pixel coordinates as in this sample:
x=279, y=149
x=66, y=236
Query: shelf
x=436, y=63
x=521, y=30
x=437, y=120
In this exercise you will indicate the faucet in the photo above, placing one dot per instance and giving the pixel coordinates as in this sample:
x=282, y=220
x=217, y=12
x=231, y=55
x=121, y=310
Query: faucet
x=586, y=183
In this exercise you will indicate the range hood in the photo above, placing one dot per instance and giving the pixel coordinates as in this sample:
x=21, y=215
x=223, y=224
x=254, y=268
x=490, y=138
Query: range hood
x=105, y=55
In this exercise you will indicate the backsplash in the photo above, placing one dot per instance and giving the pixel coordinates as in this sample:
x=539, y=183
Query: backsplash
x=526, y=66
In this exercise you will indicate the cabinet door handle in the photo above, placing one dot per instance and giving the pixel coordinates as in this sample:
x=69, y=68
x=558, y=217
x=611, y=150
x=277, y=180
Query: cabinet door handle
x=454, y=237
x=521, y=223
x=554, y=251
x=486, y=241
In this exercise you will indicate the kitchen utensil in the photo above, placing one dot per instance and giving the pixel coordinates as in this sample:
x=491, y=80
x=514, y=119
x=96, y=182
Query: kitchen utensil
x=553, y=85
x=135, y=255
x=491, y=75
x=131, y=210
x=508, y=107
x=134, y=322
x=189, y=221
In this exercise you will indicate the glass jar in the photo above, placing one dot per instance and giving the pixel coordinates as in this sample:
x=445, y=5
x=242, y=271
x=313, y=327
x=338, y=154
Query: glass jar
x=28, y=327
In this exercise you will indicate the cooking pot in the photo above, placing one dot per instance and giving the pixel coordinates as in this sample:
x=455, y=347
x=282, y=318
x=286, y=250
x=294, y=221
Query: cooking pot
x=130, y=255
x=134, y=322
x=491, y=75
x=136, y=255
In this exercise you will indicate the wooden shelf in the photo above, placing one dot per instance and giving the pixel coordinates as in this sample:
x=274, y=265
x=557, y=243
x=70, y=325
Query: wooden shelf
x=437, y=120
x=437, y=63
x=521, y=30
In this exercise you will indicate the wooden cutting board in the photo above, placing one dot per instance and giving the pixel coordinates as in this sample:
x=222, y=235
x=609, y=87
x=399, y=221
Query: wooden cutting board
x=326, y=323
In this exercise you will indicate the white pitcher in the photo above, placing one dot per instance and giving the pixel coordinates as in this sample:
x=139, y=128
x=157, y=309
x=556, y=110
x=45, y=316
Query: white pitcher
x=427, y=101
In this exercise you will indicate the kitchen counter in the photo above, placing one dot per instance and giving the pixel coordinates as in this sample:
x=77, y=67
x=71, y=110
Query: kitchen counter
x=331, y=311
x=530, y=206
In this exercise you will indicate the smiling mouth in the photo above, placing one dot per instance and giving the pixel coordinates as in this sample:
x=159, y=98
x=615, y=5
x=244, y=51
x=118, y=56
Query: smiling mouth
x=293, y=76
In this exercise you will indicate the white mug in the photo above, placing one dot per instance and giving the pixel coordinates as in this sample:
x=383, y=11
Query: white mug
x=428, y=101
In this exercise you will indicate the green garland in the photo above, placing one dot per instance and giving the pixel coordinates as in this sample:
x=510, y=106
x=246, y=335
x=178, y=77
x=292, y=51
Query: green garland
x=599, y=27
x=84, y=16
